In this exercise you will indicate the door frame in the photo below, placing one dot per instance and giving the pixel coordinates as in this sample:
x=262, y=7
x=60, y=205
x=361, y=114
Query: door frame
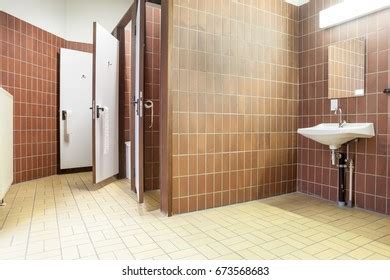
x=93, y=105
x=165, y=108
x=140, y=6
x=165, y=121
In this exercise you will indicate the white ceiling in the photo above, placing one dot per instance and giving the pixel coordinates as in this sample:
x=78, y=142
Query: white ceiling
x=297, y=2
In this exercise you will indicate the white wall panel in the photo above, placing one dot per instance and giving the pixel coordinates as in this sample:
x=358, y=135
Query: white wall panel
x=49, y=15
x=69, y=19
x=81, y=15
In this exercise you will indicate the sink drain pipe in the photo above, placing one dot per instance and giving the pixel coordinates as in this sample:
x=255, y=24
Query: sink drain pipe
x=351, y=168
x=344, y=161
x=342, y=166
x=350, y=198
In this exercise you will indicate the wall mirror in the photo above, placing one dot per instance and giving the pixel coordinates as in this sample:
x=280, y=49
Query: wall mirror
x=346, y=68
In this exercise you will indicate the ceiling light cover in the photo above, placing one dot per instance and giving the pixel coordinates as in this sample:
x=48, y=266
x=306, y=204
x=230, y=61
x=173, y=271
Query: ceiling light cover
x=297, y=2
x=349, y=10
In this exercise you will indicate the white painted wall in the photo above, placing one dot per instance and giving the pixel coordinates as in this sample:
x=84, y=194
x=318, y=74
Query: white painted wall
x=81, y=15
x=70, y=19
x=49, y=15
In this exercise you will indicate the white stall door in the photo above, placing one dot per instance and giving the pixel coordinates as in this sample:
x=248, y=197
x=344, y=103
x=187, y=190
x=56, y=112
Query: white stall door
x=105, y=104
x=138, y=101
x=75, y=114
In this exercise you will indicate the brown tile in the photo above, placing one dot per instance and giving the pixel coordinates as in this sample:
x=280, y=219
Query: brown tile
x=371, y=160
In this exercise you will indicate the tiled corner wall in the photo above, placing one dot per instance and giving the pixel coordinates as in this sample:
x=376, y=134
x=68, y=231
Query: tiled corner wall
x=234, y=92
x=152, y=92
x=29, y=71
x=315, y=174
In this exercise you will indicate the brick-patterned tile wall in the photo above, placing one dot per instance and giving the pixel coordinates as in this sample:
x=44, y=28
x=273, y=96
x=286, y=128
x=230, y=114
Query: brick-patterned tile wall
x=234, y=94
x=315, y=174
x=29, y=71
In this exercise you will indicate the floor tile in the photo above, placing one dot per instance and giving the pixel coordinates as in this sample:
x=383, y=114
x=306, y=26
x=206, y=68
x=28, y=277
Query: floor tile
x=67, y=217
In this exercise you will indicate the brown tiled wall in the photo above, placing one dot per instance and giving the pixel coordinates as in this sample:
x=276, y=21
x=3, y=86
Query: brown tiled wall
x=128, y=88
x=29, y=71
x=83, y=47
x=152, y=92
x=234, y=93
x=315, y=173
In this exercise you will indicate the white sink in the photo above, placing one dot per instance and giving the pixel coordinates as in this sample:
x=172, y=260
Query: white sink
x=334, y=136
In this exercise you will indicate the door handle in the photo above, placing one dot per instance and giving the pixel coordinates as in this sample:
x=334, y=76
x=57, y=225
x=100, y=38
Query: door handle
x=98, y=109
x=63, y=113
x=149, y=105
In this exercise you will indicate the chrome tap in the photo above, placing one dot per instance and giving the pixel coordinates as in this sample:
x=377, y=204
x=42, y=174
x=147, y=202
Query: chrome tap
x=339, y=113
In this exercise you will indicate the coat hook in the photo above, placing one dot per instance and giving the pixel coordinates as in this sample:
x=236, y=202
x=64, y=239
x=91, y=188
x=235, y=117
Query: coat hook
x=109, y=63
x=83, y=76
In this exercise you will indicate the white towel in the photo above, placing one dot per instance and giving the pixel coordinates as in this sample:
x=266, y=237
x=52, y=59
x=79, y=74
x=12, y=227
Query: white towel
x=106, y=130
x=68, y=122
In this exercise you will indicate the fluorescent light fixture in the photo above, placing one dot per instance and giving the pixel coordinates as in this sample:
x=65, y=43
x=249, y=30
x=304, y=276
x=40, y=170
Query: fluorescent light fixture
x=349, y=10
x=297, y=2
x=359, y=92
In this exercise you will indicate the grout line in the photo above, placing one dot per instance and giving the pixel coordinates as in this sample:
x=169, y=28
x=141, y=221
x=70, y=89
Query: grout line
x=10, y=207
x=31, y=218
x=85, y=184
x=321, y=212
x=56, y=210
x=147, y=232
x=81, y=216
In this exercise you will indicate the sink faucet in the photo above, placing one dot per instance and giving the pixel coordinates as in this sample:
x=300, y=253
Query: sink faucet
x=339, y=113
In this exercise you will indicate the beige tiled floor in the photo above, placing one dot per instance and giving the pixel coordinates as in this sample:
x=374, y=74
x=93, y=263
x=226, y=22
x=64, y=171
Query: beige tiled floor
x=65, y=217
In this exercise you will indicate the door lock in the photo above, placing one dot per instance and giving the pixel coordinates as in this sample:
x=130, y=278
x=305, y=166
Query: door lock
x=138, y=103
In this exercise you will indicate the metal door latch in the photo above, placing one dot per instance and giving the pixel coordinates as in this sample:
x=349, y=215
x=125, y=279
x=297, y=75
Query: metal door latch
x=138, y=103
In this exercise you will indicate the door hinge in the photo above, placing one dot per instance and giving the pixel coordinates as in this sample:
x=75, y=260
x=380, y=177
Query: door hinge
x=93, y=109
